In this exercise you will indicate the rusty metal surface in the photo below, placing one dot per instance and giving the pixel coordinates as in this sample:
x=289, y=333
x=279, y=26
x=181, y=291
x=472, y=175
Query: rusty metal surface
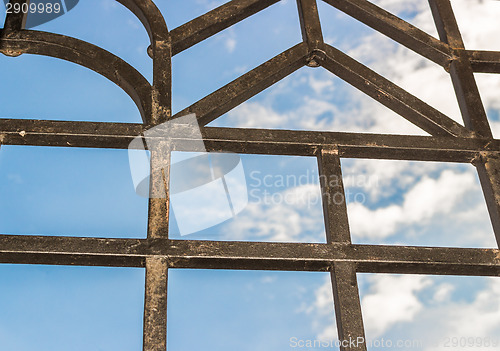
x=449, y=142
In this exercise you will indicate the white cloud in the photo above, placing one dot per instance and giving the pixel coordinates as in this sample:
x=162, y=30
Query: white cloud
x=423, y=305
x=479, y=318
x=330, y=105
x=426, y=199
x=230, y=44
x=291, y=215
x=443, y=319
x=392, y=299
x=443, y=292
x=317, y=111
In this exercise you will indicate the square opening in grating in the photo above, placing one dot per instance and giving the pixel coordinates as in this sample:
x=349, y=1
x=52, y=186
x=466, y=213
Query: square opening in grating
x=416, y=203
x=222, y=196
x=419, y=312
x=69, y=192
x=246, y=310
x=61, y=308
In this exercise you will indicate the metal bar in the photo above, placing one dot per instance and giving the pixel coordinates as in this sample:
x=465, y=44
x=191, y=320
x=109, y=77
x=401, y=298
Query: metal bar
x=350, y=328
x=155, y=304
x=396, y=29
x=250, y=141
x=14, y=21
x=159, y=200
x=150, y=16
x=73, y=251
x=462, y=74
x=310, y=25
x=469, y=100
x=334, y=200
x=484, y=61
x=391, y=95
x=248, y=255
x=215, y=21
x=84, y=54
x=488, y=168
x=343, y=274
x=161, y=92
x=446, y=23
x=451, y=143
x=248, y=85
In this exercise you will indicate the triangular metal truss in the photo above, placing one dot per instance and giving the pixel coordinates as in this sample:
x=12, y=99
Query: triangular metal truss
x=449, y=142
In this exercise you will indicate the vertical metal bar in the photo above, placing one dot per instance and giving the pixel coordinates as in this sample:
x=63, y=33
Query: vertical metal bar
x=155, y=305
x=343, y=275
x=15, y=21
x=348, y=307
x=155, y=299
x=159, y=189
x=310, y=23
x=488, y=169
x=334, y=199
x=462, y=75
x=162, y=80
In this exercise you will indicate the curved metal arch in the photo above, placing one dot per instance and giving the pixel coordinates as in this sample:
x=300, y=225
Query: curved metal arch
x=87, y=55
x=161, y=44
x=150, y=16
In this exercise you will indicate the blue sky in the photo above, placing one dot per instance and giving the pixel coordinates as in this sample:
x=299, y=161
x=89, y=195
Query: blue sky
x=87, y=192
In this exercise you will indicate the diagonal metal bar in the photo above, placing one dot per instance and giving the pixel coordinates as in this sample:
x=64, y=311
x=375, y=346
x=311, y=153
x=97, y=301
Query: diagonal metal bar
x=446, y=23
x=391, y=95
x=339, y=256
x=248, y=85
x=396, y=29
x=217, y=20
x=310, y=25
x=462, y=74
x=488, y=168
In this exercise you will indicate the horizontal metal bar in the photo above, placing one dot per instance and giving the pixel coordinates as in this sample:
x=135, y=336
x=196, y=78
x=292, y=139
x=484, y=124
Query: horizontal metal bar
x=248, y=255
x=391, y=95
x=203, y=27
x=248, y=85
x=250, y=141
x=484, y=61
x=396, y=29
